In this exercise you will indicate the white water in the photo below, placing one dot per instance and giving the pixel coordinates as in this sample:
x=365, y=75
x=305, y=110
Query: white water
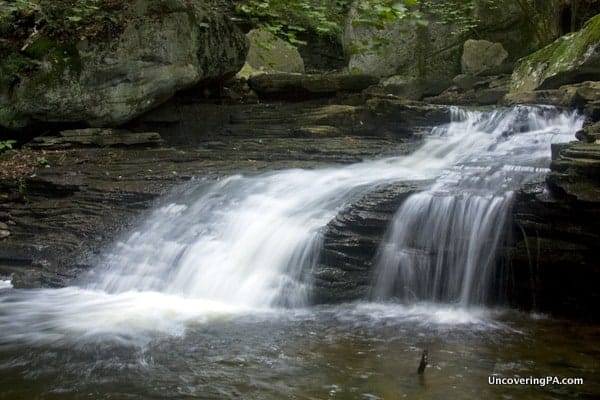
x=248, y=243
x=442, y=244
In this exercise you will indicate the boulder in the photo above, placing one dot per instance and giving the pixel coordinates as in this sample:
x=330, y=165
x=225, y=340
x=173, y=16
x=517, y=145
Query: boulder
x=268, y=53
x=143, y=52
x=433, y=52
x=481, y=55
x=571, y=58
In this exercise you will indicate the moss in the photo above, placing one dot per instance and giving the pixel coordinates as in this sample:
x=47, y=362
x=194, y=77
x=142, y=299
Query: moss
x=558, y=57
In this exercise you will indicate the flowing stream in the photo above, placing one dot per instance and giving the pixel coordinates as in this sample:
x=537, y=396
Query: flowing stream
x=209, y=296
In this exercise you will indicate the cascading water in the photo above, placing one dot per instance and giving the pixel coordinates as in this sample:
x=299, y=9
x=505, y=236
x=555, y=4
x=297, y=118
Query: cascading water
x=250, y=241
x=189, y=305
x=442, y=244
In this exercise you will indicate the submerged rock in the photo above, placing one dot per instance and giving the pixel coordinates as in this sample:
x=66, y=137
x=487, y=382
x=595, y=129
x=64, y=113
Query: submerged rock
x=150, y=50
x=570, y=59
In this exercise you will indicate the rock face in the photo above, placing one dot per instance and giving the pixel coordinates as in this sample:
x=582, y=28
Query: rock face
x=481, y=55
x=350, y=243
x=570, y=59
x=434, y=52
x=554, y=260
x=160, y=47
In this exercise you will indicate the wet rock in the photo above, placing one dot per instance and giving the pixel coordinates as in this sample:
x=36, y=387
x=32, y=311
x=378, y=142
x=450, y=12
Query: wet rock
x=404, y=116
x=590, y=133
x=96, y=137
x=473, y=90
x=411, y=89
x=350, y=244
x=554, y=260
x=575, y=172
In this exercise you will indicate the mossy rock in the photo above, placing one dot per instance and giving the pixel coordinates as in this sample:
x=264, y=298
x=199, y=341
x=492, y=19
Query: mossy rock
x=101, y=79
x=570, y=59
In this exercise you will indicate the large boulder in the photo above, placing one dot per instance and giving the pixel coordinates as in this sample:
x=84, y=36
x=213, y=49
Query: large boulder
x=137, y=57
x=433, y=52
x=571, y=58
x=481, y=55
x=268, y=53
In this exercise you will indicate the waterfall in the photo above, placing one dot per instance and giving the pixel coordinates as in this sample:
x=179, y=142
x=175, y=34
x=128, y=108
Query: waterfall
x=247, y=243
x=442, y=244
x=253, y=240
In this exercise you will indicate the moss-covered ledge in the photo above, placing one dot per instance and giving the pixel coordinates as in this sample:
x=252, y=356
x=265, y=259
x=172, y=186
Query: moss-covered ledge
x=571, y=58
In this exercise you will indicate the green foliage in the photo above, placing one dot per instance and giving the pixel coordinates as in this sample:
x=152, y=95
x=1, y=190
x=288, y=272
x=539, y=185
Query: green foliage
x=41, y=161
x=15, y=63
x=63, y=18
x=22, y=185
x=288, y=19
x=8, y=8
x=6, y=145
x=458, y=13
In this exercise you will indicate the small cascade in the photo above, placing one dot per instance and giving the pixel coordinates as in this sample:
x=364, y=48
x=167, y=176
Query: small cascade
x=443, y=244
x=252, y=241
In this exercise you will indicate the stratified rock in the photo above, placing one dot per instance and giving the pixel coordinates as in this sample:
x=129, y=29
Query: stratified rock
x=351, y=241
x=577, y=95
x=576, y=171
x=158, y=48
x=405, y=116
x=96, y=137
x=299, y=86
x=481, y=55
x=4, y=233
x=471, y=90
x=590, y=133
x=554, y=260
x=570, y=59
